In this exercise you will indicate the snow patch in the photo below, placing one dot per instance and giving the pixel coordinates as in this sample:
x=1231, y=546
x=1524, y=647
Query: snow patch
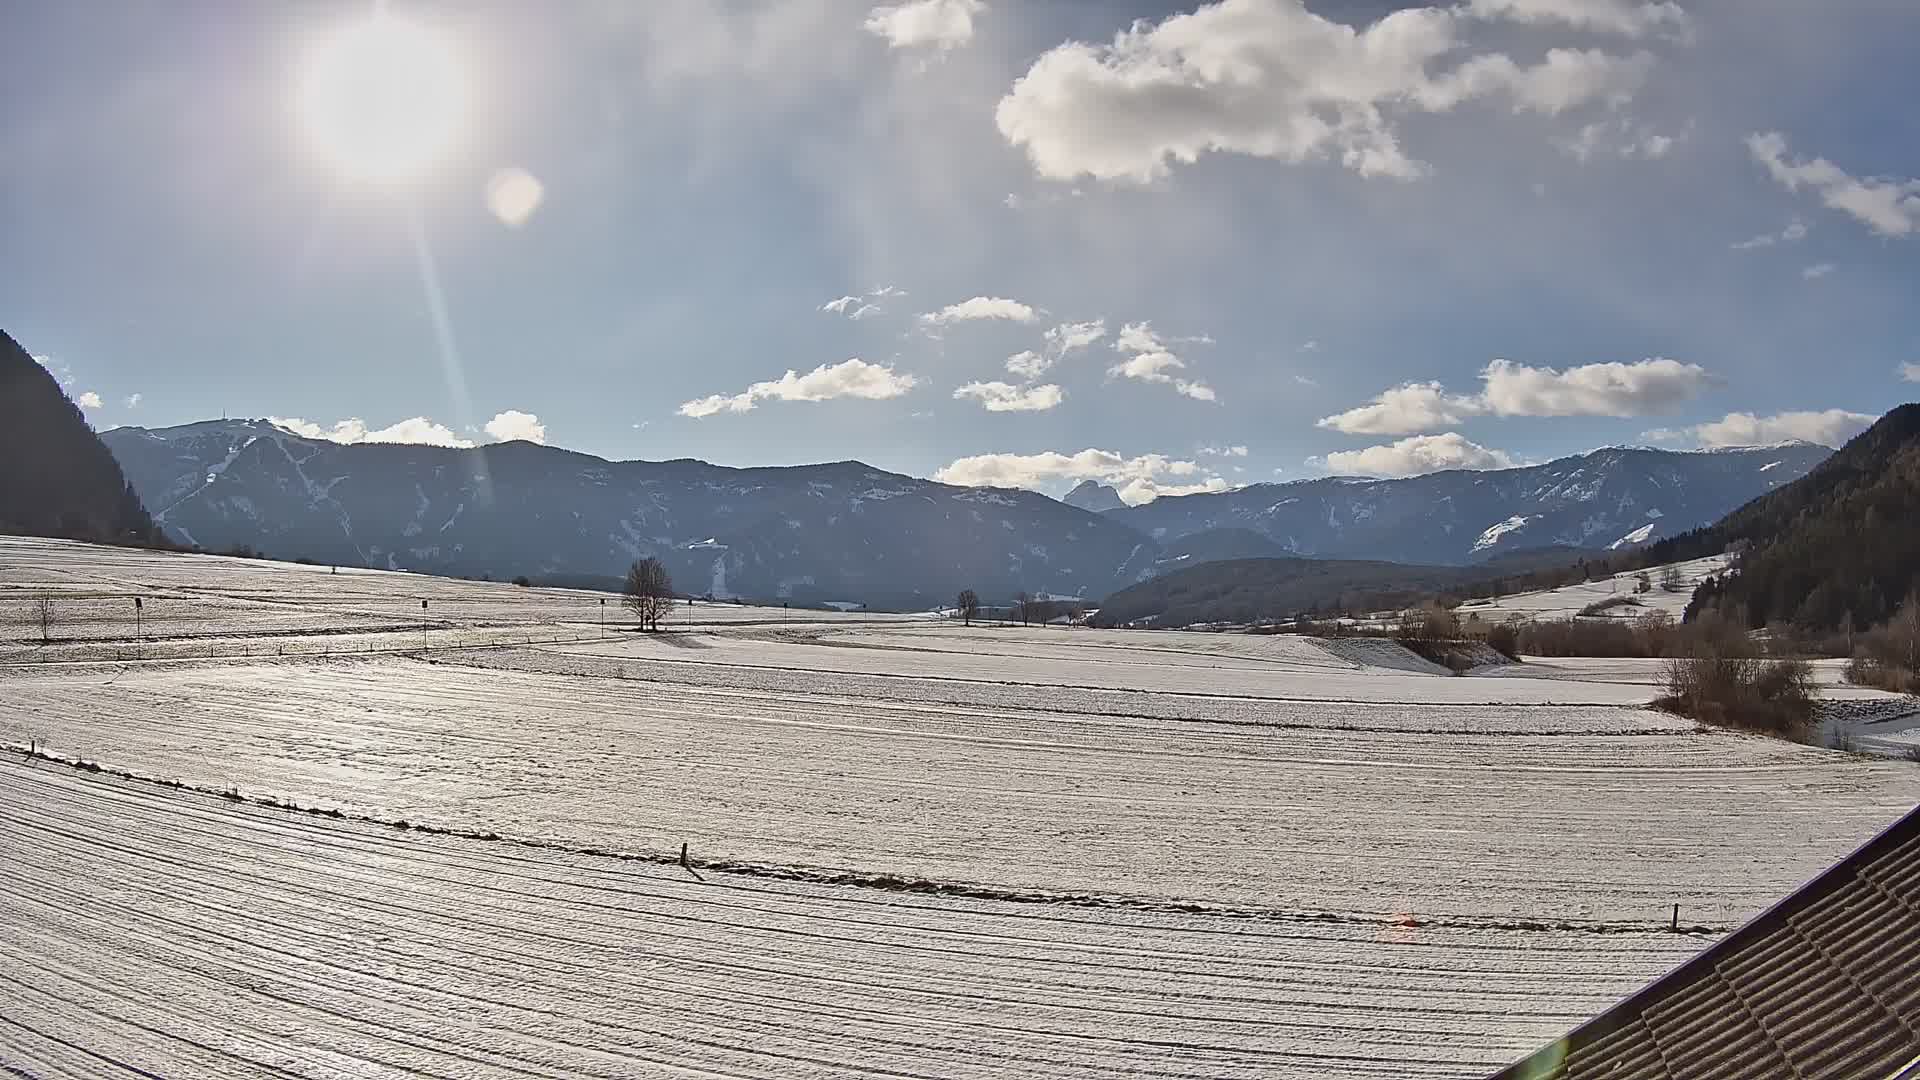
x=1495, y=533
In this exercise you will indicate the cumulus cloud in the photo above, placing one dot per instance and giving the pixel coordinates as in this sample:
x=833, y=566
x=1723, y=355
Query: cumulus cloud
x=981, y=307
x=1068, y=337
x=850, y=378
x=1403, y=410
x=1419, y=454
x=89, y=400
x=1612, y=389
x=1270, y=79
x=1005, y=397
x=1830, y=427
x=133, y=401
x=1150, y=360
x=1608, y=16
x=940, y=24
x=514, y=424
x=1029, y=364
x=1510, y=389
x=1888, y=206
x=1223, y=451
x=1817, y=270
x=1910, y=372
x=417, y=430
x=1138, y=479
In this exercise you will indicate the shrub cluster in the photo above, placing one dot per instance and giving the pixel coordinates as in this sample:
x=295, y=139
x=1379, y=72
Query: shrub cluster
x=1726, y=682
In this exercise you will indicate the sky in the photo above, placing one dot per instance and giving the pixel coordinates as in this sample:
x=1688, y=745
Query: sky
x=1169, y=247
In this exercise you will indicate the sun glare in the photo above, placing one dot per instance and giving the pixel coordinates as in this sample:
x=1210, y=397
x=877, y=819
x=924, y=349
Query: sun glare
x=382, y=99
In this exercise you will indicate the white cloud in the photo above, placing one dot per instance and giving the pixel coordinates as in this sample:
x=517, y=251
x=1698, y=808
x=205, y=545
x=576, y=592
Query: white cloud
x=1831, y=427
x=417, y=430
x=1151, y=361
x=1510, y=389
x=1890, y=207
x=1068, y=337
x=1028, y=364
x=1609, y=16
x=885, y=292
x=62, y=373
x=1817, y=270
x=1419, y=454
x=850, y=378
x=1306, y=380
x=942, y=24
x=1403, y=410
x=1611, y=389
x=1138, y=479
x=1268, y=78
x=1309, y=346
x=981, y=307
x=1005, y=397
x=513, y=195
x=1795, y=230
x=1223, y=451
x=1910, y=372
x=855, y=308
x=514, y=424
x=89, y=400
x=1620, y=138
x=133, y=401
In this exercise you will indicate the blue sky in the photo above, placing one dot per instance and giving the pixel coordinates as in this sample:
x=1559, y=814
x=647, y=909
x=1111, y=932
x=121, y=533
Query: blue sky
x=1312, y=237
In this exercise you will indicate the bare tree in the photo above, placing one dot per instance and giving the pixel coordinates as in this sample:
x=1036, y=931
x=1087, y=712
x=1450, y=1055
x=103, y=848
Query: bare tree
x=1670, y=579
x=649, y=592
x=44, y=609
x=967, y=605
x=1020, y=604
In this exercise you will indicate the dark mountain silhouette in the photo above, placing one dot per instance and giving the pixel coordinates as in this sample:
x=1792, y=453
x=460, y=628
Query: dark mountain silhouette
x=1839, y=545
x=56, y=477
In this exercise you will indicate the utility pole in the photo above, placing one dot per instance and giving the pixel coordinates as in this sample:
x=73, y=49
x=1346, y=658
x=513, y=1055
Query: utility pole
x=139, y=649
x=423, y=625
x=603, y=616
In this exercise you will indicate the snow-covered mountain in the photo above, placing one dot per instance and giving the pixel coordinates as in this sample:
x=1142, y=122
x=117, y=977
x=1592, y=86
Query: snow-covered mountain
x=1094, y=496
x=1616, y=497
x=812, y=533
x=849, y=532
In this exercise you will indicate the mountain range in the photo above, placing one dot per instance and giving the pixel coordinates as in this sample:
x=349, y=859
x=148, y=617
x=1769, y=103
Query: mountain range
x=848, y=531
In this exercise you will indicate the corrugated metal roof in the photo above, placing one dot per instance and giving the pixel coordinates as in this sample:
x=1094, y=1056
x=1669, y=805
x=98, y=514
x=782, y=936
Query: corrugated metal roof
x=1825, y=983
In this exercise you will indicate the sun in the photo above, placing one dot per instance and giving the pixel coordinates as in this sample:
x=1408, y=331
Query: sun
x=382, y=99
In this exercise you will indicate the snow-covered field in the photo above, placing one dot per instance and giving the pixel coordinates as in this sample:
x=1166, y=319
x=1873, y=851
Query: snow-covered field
x=1568, y=601
x=927, y=850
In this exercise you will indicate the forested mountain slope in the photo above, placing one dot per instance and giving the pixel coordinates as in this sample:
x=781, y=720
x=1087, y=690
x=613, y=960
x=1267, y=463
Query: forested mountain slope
x=56, y=478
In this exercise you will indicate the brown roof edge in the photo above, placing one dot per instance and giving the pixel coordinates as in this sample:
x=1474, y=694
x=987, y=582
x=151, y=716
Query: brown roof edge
x=1542, y=1061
